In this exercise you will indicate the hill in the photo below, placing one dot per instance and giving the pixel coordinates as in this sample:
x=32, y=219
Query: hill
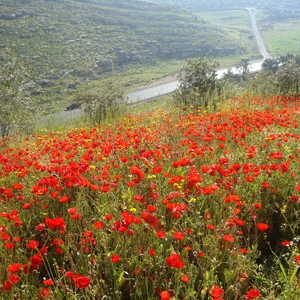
x=228, y=4
x=70, y=41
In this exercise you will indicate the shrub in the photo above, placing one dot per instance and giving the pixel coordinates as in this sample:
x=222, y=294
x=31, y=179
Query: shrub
x=199, y=83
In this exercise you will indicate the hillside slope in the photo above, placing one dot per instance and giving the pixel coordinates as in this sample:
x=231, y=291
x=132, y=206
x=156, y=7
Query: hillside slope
x=227, y=4
x=75, y=40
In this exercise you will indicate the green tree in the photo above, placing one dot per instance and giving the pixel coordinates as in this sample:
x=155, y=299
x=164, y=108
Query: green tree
x=199, y=83
x=288, y=77
x=243, y=67
x=271, y=65
x=18, y=110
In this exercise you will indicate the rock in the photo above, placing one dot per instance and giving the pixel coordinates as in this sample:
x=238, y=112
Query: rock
x=37, y=92
x=71, y=85
x=45, y=83
x=54, y=77
x=105, y=65
x=8, y=16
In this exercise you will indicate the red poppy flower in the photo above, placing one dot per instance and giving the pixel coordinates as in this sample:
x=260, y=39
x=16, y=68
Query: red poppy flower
x=244, y=251
x=201, y=254
x=45, y=293
x=108, y=217
x=14, y=268
x=7, y=285
x=69, y=274
x=178, y=236
x=72, y=210
x=216, y=292
x=285, y=243
x=266, y=185
x=33, y=244
x=82, y=282
x=161, y=234
x=151, y=252
x=210, y=226
x=252, y=294
x=149, y=219
x=185, y=278
x=37, y=190
x=262, y=226
x=13, y=278
x=165, y=295
x=257, y=205
x=64, y=199
x=174, y=261
x=58, y=223
x=115, y=258
x=232, y=198
x=9, y=245
x=18, y=186
x=98, y=224
x=48, y=282
x=228, y=238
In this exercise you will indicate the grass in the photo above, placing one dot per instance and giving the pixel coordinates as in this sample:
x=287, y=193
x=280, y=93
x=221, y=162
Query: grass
x=161, y=203
x=237, y=25
x=281, y=37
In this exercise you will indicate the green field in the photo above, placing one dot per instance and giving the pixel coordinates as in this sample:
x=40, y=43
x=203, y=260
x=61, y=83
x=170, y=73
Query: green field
x=281, y=37
x=237, y=25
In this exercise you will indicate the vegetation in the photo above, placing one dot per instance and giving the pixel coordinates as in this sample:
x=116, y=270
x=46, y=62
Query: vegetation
x=194, y=201
x=237, y=25
x=228, y=4
x=97, y=106
x=198, y=83
x=17, y=109
x=70, y=42
x=168, y=203
x=281, y=35
x=285, y=72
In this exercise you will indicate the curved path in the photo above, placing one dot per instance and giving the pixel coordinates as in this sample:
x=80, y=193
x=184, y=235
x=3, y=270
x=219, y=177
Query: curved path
x=149, y=93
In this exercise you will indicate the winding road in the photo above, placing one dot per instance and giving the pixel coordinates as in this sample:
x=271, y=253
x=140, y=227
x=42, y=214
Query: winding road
x=261, y=45
x=154, y=91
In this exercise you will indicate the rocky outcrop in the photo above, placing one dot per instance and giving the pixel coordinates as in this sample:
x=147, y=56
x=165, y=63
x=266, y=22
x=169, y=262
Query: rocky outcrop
x=106, y=65
x=45, y=83
x=8, y=16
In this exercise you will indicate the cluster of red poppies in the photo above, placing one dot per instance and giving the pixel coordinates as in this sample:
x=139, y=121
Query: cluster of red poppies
x=157, y=205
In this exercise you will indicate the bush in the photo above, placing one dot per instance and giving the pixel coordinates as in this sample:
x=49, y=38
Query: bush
x=288, y=77
x=199, y=83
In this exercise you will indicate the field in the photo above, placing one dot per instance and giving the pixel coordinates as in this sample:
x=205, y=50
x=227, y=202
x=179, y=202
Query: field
x=237, y=25
x=282, y=37
x=165, y=204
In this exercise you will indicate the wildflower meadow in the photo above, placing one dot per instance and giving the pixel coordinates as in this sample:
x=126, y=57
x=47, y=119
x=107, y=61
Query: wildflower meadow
x=166, y=204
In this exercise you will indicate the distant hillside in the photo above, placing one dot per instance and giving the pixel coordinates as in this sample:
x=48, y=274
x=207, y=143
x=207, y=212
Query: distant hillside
x=226, y=4
x=77, y=40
